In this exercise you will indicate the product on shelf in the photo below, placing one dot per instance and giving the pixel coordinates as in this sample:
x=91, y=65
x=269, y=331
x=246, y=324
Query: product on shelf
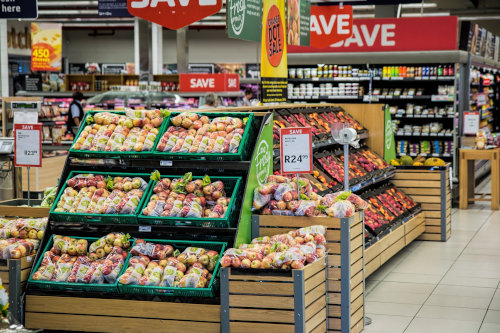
x=133, y=131
x=188, y=197
x=20, y=237
x=49, y=196
x=163, y=265
x=196, y=133
x=284, y=251
x=98, y=194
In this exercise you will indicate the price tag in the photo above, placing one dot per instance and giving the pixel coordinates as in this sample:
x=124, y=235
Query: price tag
x=144, y=228
x=296, y=150
x=165, y=163
x=471, y=122
x=27, y=145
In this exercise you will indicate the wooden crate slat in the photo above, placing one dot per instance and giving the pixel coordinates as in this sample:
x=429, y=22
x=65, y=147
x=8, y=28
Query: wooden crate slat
x=333, y=298
x=271, y=302
x=357, y=242
x=357, y=229
x=4, y=276
x=357, y=278
x=258, y=277
x=314, y=281
x=17, y=211
x=296, y=221
x=317, y=319
x=391, y=238
x=431, y=237
x=404, y=184
x=431, y=206
x=89, y=323
x=433, y=214
x=357, y=303
x=314, y=294
x=372, y=252
x=356, y=316
x=422, y=191
x=426, y=199
x=333, y=260
x=333, y=324
x=333, y=248
x=413, y=223
x=334, y=273
x=357, y=254
x=264, y=288
x=313, y=268
x=419, y=175
x=372, y=266
x=392, y=250
x=321, y=328
x=357, y=267
x=245, y=327
x=334, y=311
x=358, y=327
x=432, y=221
x=315, y=307
x=412, y=235
x=333, y=285
x=433, y=229
x=356, y=292
x=262, y=315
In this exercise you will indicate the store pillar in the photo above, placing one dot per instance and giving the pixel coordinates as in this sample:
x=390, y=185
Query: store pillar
x=182, y=50
x=4, y=60
x=157, y=48
x=142, y=49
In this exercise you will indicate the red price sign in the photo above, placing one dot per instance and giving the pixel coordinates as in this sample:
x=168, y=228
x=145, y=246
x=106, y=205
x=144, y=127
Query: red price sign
x=27, y=145
x=296, y=150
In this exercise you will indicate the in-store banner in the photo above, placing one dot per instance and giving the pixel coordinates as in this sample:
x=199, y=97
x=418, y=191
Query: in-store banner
x=298, y=16
x=389, y=144
x=273, y=70
x=396, y=34
x=209, y=82
x=46, y=47
x=113, y=8
x=330, y=25
x=173, y=14
x=18, y=9
x=244, y=19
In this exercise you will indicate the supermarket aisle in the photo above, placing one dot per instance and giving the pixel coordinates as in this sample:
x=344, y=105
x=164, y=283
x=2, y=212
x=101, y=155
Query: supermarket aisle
x=436, y=287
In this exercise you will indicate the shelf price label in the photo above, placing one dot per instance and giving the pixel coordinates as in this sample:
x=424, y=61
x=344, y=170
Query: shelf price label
x=296, y=150
x=27, y=145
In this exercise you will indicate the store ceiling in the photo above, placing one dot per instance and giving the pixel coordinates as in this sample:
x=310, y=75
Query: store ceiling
x=83, y=13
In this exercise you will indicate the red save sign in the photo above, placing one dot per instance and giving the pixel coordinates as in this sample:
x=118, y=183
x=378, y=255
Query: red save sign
x=209, y=82
x=173, y=14
x=296, y=150
x=28, y=145
x=330, y=24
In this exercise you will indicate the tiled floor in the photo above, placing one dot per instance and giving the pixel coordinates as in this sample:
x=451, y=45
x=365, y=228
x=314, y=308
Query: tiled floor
x=451, y=287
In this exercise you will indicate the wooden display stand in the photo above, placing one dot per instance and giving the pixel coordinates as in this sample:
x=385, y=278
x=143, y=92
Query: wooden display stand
x=119, y=315
x=467, y=179
x=431, y=188
x=345, y=272
x=401, y=236
x=10, y=208
x=274, y=301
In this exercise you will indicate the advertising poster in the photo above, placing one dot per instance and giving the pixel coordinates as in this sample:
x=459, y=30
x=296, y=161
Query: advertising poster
x=244, y=19
x=274, y=71
x=298, y=22
x=46, y=47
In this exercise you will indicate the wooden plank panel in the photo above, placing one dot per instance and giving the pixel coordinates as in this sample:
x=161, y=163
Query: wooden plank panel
x=271, y=302
x=416, y=175
x=334, y=311
x=372, y=266
x=357, y=316
x=245, y=327
x=372, y=252
x=433, y=229
x=430, y=237
x=262, y=288
x=357, y=229
x=413, y=223
x=333, y=248
x=262, y=315
x=426, y=199
x=333, y=260
x=356, y=267
x=412, y=235
x=392, y=250
x=4, y=276
x=429, y=221
x=431, y=206
x=320, y=328
x=314, y=281
x=334, y=273
x=296, y=222
x=357, y=303
x=16, y=211
x=391, y=238
x=333, y=285
x=87, y=323
x=358, y=327
x=333, y=298
x=357, y=278
x=433, y=213
x=314, y=294
x=315, y=307
x=333, y=324
x=422, y=191
x=357, y=254
x=317, y=319
x=356, y=292
x=234, y=277
x=404, y=184
x=313, y=268
x=357, y=242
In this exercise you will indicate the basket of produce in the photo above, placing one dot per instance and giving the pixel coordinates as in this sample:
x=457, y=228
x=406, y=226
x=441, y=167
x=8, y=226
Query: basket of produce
x=81, y=264
x=133, y=133
x=172, y=268
x=21, y=237
x=100, y=197
x=191, y=200
x=212, y=136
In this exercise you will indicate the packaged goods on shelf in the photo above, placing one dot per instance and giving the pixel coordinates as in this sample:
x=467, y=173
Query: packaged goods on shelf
x=20, y=237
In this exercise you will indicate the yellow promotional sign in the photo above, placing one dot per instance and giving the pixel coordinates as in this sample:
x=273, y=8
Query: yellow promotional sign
x=46, y=47
x=274, y=70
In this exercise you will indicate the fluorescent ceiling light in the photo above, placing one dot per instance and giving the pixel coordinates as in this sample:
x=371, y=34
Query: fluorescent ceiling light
x=478, y=18
x=418, y=5
x=75, y=3
x=363, y=16
x=425, y=14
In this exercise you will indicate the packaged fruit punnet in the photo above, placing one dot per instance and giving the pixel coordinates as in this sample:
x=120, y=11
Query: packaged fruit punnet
x=24, y=228
x=283, y=251
x=135, y=131
x=194, y=133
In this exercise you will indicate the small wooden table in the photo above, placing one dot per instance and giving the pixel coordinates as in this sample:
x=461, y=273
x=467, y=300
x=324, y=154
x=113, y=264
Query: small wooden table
x=467, y=185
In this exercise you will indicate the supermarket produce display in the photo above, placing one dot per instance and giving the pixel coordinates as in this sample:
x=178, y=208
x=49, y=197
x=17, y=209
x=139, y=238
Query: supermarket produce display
x=20, y=237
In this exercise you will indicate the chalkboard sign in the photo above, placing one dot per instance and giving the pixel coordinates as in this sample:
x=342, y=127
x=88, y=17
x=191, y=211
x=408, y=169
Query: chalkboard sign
x=33, y=82
x=113, y=68
x=77, y=68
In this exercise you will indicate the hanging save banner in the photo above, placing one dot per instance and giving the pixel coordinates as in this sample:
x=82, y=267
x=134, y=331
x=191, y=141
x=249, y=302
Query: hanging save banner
x=298, y=22
x=273, y=68
x=244, y=19
x=46, y=47
x=330, y=24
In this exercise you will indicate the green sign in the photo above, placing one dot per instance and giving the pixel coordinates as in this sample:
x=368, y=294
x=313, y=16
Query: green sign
x=298, y=22
x=244, y=19
x=261, y=167
x=389, y=146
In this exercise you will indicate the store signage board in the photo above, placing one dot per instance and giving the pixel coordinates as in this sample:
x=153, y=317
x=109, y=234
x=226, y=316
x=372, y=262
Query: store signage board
x=18, y=9
x=481, y=99
x=173, y=14
x=201, y=68
x=389, y=144
x=244, y=19
x=209, y=82
x=46, y=47
x=25, y=112
x=113, y=8
x=298, y=16
x=33, y=82
x=252, y=71
x=330, y=25
x=296, y=150
x=28, y=145
x=471, y=122
x=396, y=34
x=273, y=70
x=113, y=68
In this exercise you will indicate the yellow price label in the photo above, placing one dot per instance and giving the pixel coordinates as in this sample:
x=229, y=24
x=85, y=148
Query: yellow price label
x=41, y=52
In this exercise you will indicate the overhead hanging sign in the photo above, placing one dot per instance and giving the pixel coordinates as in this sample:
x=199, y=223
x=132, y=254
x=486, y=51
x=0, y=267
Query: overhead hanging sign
x=113, y=8
x=296, y=150
x=173, y=14
x=18, y=9
x=244, y=19
x=28, y=145
x=330, y=25
x=46, y=47
x=209, y=82
x=396, y=34
x=273, y=70
x=298, y=22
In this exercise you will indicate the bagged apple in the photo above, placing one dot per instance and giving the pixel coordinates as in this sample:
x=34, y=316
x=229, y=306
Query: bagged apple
x=342, y=208
x=79, y=269
x=64, y=266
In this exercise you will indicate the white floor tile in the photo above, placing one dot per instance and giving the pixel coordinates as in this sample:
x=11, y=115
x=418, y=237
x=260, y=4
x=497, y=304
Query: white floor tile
x=464, y=291
x=489, y=328
x=459, y=301
x=415, y=278
x=392, y=309
x=387, y=324
x=397, y=297
x=452, y=313
x=492, y=316
x=495, y=302
x=431, y=325
x=457, y=280
x=405, y=287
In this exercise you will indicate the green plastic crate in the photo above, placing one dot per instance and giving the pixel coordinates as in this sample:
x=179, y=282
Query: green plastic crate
x=230, y=183
x=68, y=286
x=243, y=150
x=99, y=218
x=176, y=291
x=114, y=154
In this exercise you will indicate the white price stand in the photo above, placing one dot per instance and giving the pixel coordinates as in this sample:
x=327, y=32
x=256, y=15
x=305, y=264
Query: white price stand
x=471, y=122
x=28, y=148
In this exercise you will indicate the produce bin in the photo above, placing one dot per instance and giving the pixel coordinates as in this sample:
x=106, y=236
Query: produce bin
x=429, y=186
x=243, y=151
x=274, y=300
x=232, y=183
x=345, y=274
x=99, y=218
x=68, y=286
x=113, y=154
x=14, y=208
x=171, y=291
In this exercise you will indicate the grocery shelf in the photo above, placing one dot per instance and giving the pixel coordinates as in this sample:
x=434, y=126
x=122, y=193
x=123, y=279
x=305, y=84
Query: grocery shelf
x=413, y=79
x=56, y=93
x=377, y=179
x=323, y=97
x=437, y=135
x=429, y=116
x=329, y=79
x=425, y=155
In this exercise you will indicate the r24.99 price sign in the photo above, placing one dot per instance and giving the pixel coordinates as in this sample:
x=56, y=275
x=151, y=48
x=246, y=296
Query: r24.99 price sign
x=27, y=145
x=296, y=150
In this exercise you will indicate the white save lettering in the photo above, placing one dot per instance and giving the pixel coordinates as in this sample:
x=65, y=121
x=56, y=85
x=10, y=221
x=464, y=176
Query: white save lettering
x=327, y=27
x=202, y=83
x=366, y=37
x=231, y=83
x=171, y=3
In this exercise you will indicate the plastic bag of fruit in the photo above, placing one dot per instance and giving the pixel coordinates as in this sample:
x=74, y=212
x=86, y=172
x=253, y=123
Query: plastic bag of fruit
x=115, y=239
x=64, y=266
x=154, y=208
x=194, y=279
x=259, y=199
x=306, y=208
x=134, y=272
x=112, y=265
x=192, y=209
x=130, y=202
x=169, y=276
x=152, y=275
x=286, y=192
x=341, y=208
